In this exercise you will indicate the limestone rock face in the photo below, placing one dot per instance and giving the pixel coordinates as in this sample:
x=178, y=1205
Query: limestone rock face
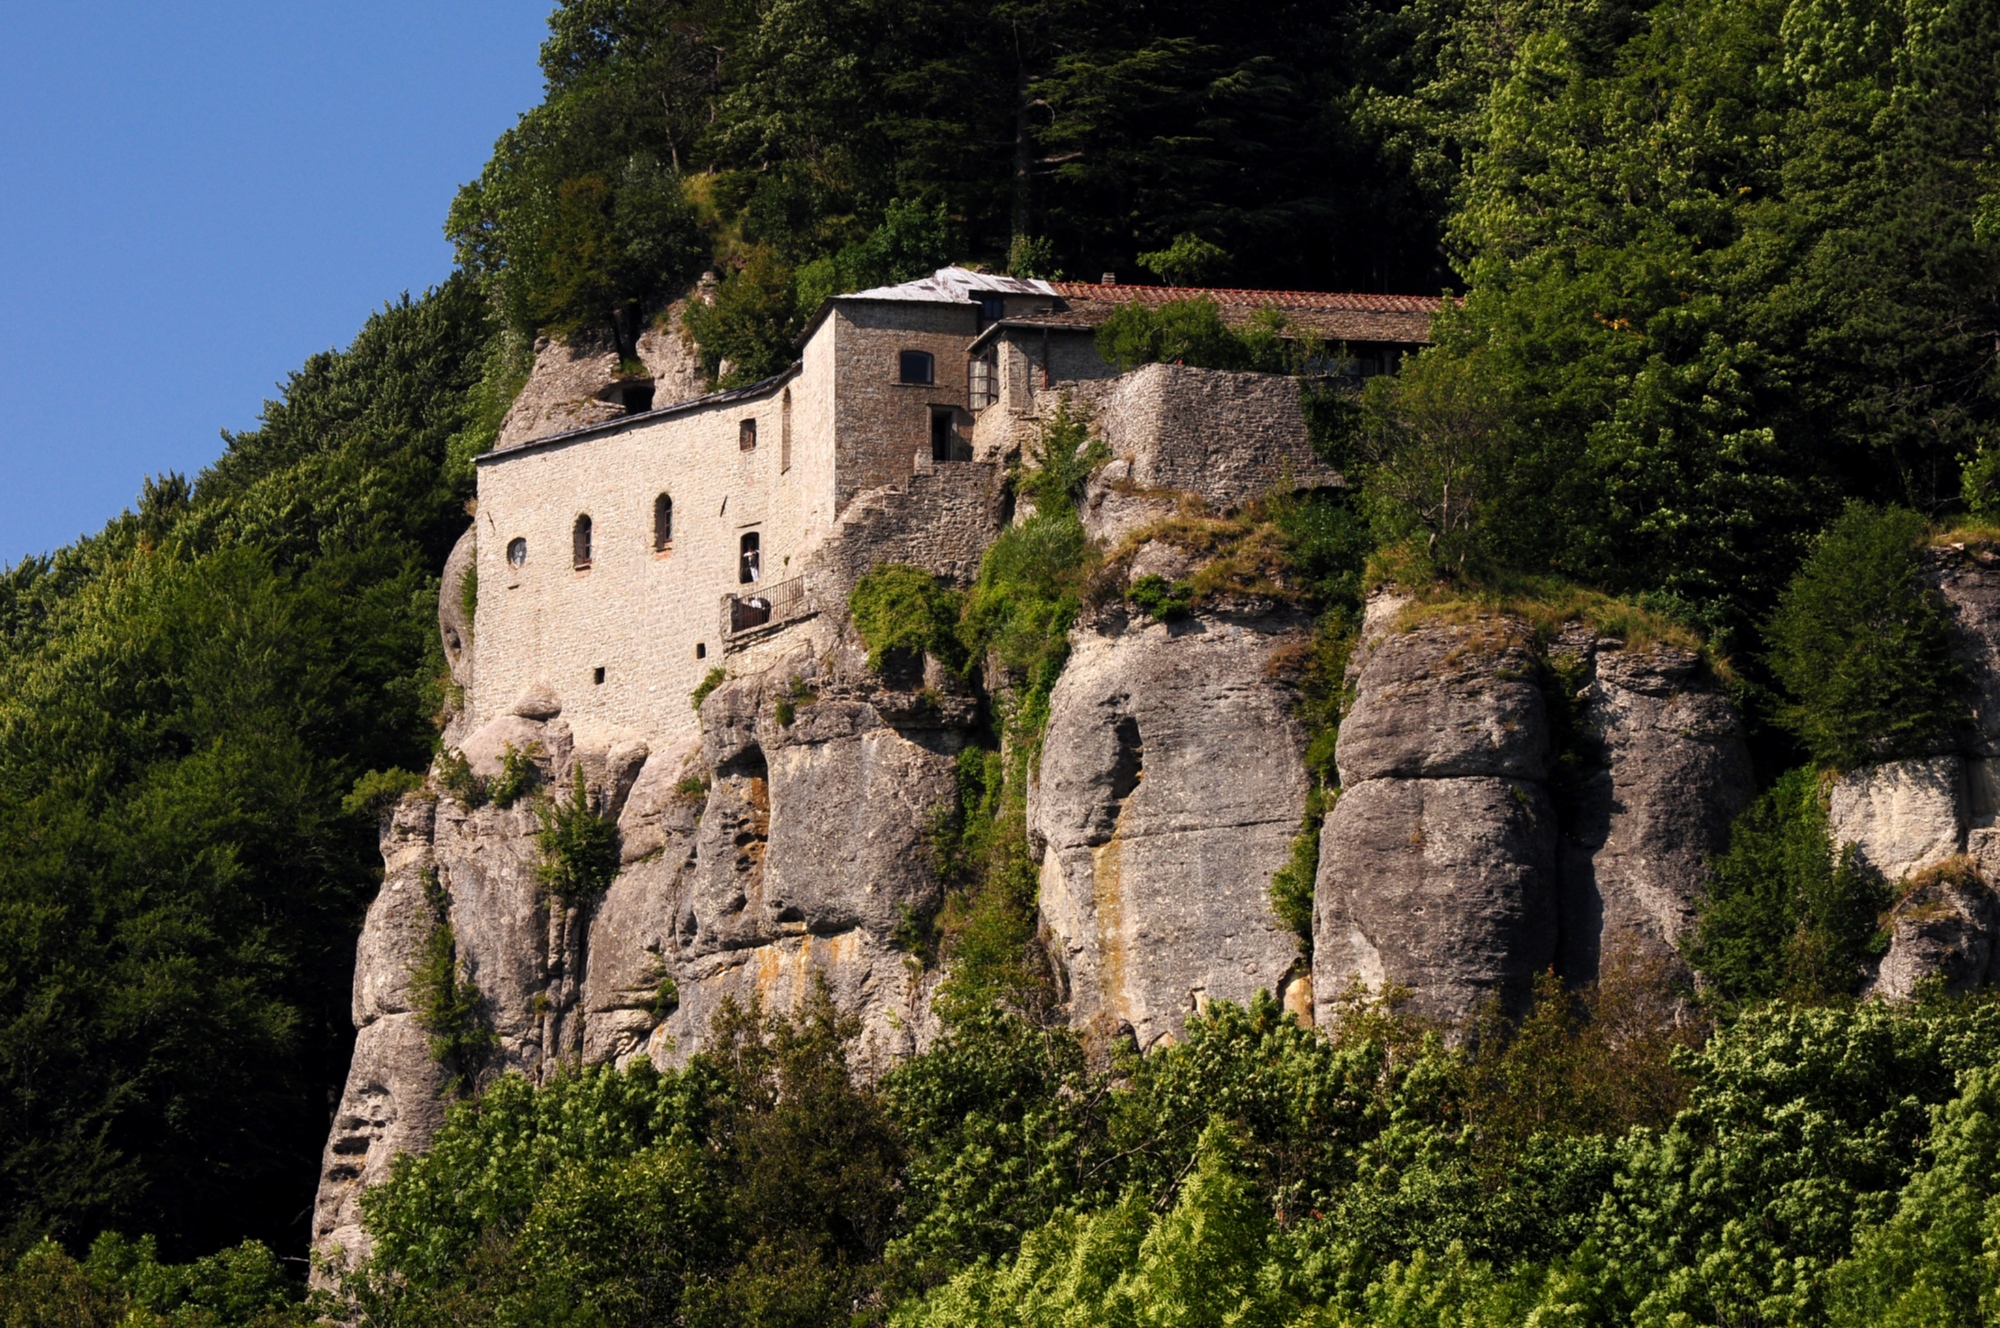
x=1943, y=929
x=812, y=849
x=672, y=358
x=393, y=1101
x=565, y=390
x=629, y=950
x=1437, y=869
x=528, y=958
x=1667, y=772
x=1171, y=785
x=1460, y=860
x=1441, y=702
x=1901, y=815
x=1444, y=886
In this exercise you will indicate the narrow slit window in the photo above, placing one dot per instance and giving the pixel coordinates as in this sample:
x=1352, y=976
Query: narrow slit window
x=579, y=544
x=597, y=676
x=746, y=435
x=785, y=431
x=663, y=523
x=750, y=562
x=916, y=366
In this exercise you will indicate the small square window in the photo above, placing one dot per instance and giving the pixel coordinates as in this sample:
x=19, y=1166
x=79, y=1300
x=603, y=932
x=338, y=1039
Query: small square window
x=916, y=366
x=597, y=675
x=746, y=435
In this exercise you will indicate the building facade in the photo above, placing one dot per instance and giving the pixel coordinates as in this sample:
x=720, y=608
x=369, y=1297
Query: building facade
x=620, y=562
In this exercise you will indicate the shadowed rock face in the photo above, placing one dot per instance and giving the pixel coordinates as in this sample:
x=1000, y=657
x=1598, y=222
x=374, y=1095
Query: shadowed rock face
x=1443, y=886
x=1171, y=785
x=1969, y=580
x=1663, y=773
x=1453, y=867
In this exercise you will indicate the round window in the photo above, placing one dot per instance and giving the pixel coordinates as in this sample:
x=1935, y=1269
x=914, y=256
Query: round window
x=517, y=552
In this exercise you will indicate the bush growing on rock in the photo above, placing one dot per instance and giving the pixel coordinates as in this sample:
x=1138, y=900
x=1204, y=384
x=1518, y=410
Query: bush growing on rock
x=1787, y=912
x=899, y=607
x=1863, y=646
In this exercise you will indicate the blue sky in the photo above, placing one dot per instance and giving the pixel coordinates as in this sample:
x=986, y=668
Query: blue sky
x=195, y=197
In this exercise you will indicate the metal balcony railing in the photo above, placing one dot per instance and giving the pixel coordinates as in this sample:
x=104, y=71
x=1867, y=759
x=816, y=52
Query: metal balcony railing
x=765, y=606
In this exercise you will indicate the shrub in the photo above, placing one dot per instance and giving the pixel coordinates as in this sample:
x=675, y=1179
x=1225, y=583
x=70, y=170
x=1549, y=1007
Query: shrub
x=1785, y=911
x=1863, y=646
x=518, y=775
x=447, y=1003
x=899, y=607
x=1161, y=599
x=1192, y=332
x=1030, y=583
x=454, y=776
x=1292, y=884
x=714, y=679
x=379, y=790
x=579, y=848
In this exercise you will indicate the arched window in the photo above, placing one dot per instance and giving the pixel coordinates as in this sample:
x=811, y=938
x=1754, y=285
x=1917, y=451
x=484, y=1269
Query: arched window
x=579, y=544
x=750, y=566
x=916, y=366
x=517, y=552
x=663, y=523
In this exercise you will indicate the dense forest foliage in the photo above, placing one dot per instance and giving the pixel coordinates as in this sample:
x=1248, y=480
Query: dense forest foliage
x=1727, y=350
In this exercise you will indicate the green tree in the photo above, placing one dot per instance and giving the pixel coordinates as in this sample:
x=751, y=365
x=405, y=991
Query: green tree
x=190, y=696
x=1786, y=911
x=1864, y=646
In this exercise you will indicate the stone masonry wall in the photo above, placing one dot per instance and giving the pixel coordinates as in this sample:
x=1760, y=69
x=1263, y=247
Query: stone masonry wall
x=942, y=519
x=882, y=425
x=1226, y=436
x=637, y=613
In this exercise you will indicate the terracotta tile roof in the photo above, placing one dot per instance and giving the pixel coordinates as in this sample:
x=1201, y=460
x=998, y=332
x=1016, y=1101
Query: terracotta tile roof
x=1336, y=315
x=1256, y=299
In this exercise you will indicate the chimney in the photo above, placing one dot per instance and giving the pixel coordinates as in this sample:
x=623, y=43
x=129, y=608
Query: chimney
x=1109, y=279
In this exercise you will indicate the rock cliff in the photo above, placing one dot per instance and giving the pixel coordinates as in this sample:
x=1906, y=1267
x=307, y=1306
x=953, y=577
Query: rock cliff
x=1479, y=840
x=1172, y=781
x=1508, y=801
x=1930, y=824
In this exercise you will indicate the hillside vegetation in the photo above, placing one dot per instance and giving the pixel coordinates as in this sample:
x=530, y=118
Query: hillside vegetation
x=1731, y=277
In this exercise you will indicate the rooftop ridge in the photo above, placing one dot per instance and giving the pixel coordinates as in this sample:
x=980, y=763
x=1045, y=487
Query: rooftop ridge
x=1361, y=300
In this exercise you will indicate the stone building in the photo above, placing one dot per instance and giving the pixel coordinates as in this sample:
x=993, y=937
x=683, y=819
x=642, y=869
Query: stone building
x=618, y=561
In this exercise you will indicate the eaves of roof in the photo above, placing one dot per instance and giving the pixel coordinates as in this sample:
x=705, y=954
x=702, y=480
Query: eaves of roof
x=1028, y=324
x=745, y=393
